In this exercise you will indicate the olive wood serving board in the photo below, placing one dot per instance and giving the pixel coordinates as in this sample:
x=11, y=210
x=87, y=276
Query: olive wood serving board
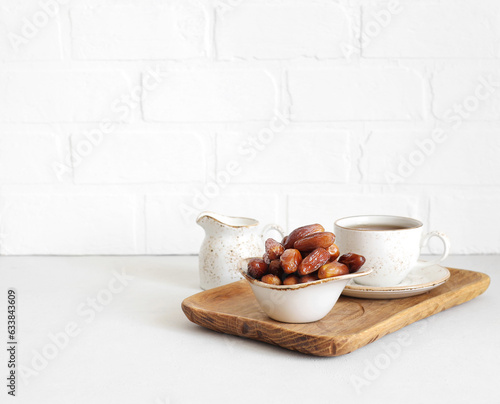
x=351, y=324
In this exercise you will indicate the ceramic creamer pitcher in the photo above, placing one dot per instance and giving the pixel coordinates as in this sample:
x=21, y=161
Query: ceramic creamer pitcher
x=227, y=241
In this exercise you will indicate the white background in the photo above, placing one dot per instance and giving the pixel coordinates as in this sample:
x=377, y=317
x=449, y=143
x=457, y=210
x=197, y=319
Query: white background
x=120, y=120
x=358, y=85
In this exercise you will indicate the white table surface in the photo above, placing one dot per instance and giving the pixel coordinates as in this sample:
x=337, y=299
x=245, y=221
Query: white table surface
x=138, y=347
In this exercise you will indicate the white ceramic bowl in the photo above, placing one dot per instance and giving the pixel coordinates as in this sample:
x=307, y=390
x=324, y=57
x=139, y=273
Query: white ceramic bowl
x=301, y=303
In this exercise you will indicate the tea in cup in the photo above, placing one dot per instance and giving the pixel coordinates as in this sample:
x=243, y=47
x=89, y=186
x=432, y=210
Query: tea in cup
x=390, y=244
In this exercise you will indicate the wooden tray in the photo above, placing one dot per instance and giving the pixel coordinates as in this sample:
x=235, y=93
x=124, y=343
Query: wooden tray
x=351, y=324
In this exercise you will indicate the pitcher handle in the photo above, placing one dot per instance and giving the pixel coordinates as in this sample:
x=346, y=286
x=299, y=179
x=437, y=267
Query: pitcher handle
x=272, y=226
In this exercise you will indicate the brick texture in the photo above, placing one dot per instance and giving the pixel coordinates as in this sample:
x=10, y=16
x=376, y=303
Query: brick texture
x=261, y=31
x=176, y=30
x=120, y=121
x=212, y=95
x=355, y=94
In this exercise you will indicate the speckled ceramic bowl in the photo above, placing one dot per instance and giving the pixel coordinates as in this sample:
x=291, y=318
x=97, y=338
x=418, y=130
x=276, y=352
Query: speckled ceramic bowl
x=302, y=303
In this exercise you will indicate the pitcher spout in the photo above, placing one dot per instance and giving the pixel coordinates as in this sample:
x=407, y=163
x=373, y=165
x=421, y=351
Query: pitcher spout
x=206, y=219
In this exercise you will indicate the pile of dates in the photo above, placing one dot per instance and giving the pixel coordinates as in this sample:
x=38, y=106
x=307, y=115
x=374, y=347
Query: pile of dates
x=307, y=254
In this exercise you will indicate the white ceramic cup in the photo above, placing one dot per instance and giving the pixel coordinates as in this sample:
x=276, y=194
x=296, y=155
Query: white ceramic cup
x=390, y=253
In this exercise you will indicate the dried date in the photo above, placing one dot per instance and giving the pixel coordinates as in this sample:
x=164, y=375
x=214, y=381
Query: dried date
x=334, y=252
x=353, y=261
x=271, y=279
x=313, y=261
x=274, y=249
x=257, y=268
x=315, y=240
x=275, y=268
x=308, y=278
x=290, y=260
x=291, y=280
x=302, y=232
x=332, y=269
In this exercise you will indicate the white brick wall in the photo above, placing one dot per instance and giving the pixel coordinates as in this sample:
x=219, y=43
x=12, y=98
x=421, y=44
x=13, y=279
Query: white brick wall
x=176, y=30
x=17, y=28
x=58, y=95
x=260, y=31
x=121, y=119
x=433, y=29
x=143, y=158
x=452, y=163
x=27, y=157
x=290, y=157
x=212, y=94
x=72, y=224
x=477, y=98
x=355, y=94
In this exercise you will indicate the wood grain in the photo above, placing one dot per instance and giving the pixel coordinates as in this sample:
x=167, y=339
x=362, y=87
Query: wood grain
x=351, y=324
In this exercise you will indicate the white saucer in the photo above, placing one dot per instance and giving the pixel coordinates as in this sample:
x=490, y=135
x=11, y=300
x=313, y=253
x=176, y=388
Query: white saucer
x=417, y=282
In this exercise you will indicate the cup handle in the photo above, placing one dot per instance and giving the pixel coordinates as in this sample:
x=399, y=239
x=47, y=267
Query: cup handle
x=272, y=226
x=446, y=244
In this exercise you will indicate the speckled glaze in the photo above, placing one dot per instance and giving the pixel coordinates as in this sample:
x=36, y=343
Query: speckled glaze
x=228, y=240
x=391, y=254
x=300, y=303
